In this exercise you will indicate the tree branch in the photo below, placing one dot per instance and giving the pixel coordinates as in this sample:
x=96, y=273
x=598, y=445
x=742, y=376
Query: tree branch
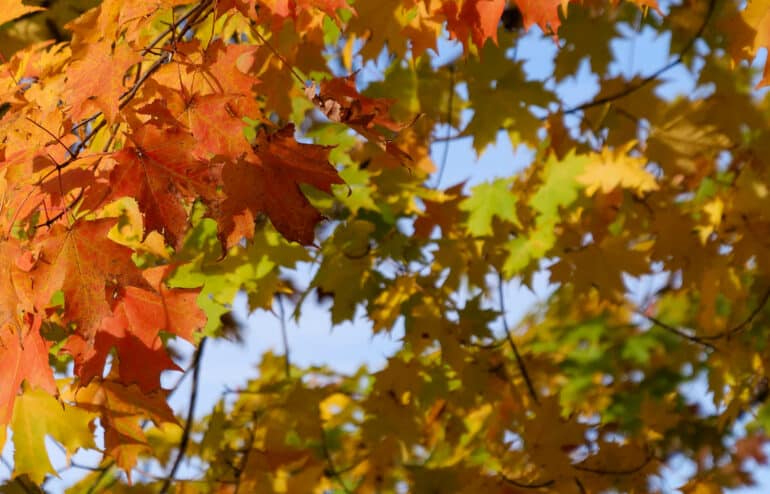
x=188, y=424
x=522, y=485
x=332, y=470
x=450, y=108
x=743, y=324
x=704, y=340
x=509, y=336
x=628, y=471
x=285, y=337
x=650, y=78
x=674, y=330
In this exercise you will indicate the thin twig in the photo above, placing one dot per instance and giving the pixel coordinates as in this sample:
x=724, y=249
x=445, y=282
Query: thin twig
x=580, y=486
x=90, y=468
x=627, y=471
x=652, y=77
x=100, y=477
x=245, y=461
x=509, y=336
x=677, y=331
x=450, y=108
x=332, y=470
x=285, y=336
x=280, y=57
x=523, y=485
x=743, y=324
x=196, y=364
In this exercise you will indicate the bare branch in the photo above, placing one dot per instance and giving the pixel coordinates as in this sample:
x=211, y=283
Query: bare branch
x=188, y=424
x=285, y=336
x=743, y=324
x=628, y=471
x=652, y=77
x=524, y=485
x=509, y=336
x=450, y=109
x=332, y=470
x=679, y=332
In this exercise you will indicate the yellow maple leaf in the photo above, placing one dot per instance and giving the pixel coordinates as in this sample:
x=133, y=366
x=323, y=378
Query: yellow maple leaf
x=613, y=169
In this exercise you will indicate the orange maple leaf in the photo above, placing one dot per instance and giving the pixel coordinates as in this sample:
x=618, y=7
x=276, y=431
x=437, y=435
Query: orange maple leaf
x=88, y=268
x=133, y=330
x=544, y=13
x=474, y=19
x=95, y=82
x=23, y=357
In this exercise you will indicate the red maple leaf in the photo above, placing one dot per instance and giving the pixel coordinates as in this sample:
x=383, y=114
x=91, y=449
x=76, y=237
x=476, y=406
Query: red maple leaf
x=267, y=181
x=474, y=19
x=23, y=357
x=341, y=102
x=161, y=172
x=88, y=268
x=23, y=352
x=544, y=13
x=134, y=331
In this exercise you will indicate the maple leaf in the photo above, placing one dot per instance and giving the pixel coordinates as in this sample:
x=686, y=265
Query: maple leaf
x=402, y=27
x=267, y=181
x=36, y=415
x=14, y=9
x=341, y=102
x=226, y=69
x=617, y=169
x=23, y=351
x=215, y=121
x=96, y=81
x=88, y=268
x=120, y=408
x=474, y=19
x=749, y=29
x=544, y=13
x=443, y=212
x=133, y=330
x=486, y=201
x=161, y=172
x=23, y=357
x=285, y=9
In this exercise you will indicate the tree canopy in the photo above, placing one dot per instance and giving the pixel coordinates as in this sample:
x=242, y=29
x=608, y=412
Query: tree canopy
x=157, y=157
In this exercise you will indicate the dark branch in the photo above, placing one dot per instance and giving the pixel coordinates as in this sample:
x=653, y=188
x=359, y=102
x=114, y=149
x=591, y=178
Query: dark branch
x=332, y=470
x=743, y=324
x=523, y=485
x=196, y=364
x=285, y=337
x=652, y=77
x=679, y=332
x=450, y=109
x=509, y=336
x=628, y=471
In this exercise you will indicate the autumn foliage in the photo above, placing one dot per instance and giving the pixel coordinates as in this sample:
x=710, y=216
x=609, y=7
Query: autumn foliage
x=159, y=156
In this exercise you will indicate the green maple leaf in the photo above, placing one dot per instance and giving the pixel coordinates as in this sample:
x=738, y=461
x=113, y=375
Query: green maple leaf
x=486, y=201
